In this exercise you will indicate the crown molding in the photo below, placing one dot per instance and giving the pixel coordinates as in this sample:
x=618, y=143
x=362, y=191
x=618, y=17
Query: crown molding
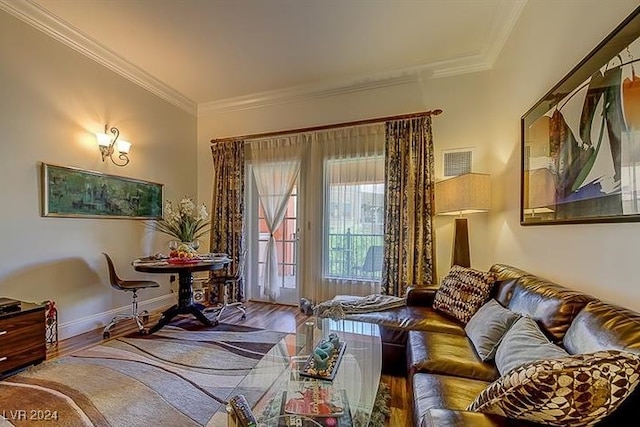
x=503, y=23
x=43, y=20
x=306, y=93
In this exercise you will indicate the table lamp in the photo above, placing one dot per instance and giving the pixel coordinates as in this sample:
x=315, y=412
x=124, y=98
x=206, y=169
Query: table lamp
x=461, y=195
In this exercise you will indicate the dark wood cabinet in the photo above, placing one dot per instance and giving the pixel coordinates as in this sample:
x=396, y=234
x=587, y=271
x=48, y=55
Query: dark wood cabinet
x=22, y=337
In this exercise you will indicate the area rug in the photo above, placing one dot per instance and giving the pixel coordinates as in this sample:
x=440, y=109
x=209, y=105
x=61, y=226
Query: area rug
x=182, y=375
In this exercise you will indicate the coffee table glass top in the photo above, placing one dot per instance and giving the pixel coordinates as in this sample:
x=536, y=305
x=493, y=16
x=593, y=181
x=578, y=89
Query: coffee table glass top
x=279, y=391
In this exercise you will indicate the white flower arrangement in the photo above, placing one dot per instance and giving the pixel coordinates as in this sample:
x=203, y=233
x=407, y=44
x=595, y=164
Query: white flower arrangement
x=186, y=222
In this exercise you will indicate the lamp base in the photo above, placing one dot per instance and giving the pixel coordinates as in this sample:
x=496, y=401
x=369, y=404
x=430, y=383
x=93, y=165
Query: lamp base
x=461, y=254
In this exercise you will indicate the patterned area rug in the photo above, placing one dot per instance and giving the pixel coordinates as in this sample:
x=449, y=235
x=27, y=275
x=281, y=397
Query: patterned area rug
x=182, y=375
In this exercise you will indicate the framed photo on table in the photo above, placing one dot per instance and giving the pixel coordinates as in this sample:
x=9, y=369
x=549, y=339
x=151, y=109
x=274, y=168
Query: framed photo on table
x=581, y=141
x=72, y=192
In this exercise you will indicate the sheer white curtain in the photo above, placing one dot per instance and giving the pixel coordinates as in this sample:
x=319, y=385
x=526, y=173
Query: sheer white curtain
x=349, y=172
x=275, y=163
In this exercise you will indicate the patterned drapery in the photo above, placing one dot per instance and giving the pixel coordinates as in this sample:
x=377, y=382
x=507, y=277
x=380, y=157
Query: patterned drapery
x=408, y=248
x=227, y=208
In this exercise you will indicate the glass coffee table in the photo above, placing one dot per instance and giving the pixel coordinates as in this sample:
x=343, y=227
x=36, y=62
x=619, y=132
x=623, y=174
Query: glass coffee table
x=274, y=387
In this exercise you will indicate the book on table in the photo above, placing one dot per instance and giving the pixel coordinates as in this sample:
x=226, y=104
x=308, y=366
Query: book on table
x=313, y=403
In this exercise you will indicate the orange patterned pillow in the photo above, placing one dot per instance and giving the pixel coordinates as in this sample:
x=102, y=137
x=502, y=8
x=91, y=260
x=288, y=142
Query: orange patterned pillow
x=463, y=292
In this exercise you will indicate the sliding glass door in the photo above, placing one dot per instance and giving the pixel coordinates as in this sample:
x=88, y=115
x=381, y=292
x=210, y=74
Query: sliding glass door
x=330, y=239
x=286, y=243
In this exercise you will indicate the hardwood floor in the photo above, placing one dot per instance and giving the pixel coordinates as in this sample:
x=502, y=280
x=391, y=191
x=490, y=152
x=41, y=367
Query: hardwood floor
x=260, y=315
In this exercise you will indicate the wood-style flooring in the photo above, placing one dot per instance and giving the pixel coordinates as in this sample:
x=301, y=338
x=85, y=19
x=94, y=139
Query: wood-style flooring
x=260, y=315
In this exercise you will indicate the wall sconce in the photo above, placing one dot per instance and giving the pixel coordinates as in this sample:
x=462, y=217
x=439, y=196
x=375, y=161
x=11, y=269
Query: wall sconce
x=108, y=145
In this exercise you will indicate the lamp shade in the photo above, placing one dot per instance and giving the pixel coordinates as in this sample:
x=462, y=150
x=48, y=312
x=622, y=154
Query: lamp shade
x=123, y=146
x=103, y=139
x=463, y=194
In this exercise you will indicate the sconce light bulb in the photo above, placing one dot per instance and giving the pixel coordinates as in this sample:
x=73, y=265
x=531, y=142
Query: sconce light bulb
x=123, y=146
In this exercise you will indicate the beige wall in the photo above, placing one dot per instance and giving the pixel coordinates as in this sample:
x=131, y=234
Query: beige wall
x=52, y=100
x=483, y=111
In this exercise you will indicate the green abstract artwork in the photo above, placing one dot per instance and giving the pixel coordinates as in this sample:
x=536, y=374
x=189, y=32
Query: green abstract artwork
x=70, y=192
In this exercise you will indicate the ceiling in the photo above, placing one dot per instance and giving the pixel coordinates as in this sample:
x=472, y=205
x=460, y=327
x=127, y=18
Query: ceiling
x=236, y=53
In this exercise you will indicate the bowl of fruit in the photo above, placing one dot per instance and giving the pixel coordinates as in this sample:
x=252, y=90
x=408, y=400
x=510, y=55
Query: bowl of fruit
x=183, y=254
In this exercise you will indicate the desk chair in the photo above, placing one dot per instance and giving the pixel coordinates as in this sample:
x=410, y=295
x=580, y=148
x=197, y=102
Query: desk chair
x=225, y=283
x=128, y=286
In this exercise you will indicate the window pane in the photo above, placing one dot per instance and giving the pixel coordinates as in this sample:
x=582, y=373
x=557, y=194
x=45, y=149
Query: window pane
x=355, y=222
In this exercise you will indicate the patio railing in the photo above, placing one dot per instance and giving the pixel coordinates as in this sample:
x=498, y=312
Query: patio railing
x=355, y=256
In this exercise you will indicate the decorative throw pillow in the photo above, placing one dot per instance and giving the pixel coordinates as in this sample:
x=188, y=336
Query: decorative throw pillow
x=463, y=291
x=524, y=342
x=577, y=390
x=487, y=327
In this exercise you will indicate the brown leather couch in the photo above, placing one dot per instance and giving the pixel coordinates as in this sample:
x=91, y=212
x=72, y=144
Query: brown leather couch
x=444, y=373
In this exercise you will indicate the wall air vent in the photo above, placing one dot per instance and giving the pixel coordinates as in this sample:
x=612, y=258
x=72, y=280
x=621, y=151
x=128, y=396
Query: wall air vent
x=456, y=162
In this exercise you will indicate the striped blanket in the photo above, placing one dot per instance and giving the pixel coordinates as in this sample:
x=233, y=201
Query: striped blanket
x=342, y=305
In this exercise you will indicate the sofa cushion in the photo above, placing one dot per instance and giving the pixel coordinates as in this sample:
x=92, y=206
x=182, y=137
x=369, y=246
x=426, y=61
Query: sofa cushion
x=603, y=326
x=576, y=390
x=505, y=272
x=432, y=391
x=452, y=418
x=446, y=354
x=463, y=292
x=551, y=305
x=487, y=326
x=523, y=343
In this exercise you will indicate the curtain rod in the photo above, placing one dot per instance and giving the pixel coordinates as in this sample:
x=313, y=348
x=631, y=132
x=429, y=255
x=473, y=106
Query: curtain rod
x=325, y=127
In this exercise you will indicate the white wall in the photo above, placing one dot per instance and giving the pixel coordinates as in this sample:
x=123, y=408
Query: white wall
x=52, y=100
x=549, y=40
x=483, y=111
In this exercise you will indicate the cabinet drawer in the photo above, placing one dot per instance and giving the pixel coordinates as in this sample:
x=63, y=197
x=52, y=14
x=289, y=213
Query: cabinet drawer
x=35, y=354
x=22, y=340
x=22, y=320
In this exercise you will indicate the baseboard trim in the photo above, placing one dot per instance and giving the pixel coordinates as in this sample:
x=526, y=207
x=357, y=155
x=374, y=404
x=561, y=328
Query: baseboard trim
x=99, y=320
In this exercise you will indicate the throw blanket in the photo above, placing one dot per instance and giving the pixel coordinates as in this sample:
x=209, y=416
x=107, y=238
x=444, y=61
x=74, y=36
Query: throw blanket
x=342, y=305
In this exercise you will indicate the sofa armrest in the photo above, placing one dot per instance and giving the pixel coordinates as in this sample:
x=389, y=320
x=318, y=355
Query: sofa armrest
x=421, y=295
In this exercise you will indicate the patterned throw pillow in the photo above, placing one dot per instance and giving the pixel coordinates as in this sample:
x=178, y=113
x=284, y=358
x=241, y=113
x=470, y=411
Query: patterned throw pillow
x=463, y=292
x=577, y=390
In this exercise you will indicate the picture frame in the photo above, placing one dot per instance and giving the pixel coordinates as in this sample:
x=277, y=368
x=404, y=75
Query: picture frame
x=580, y=143
x=76, y=193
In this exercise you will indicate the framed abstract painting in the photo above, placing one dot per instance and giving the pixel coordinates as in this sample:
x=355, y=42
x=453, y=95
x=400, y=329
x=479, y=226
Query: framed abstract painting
x=581, y=141
x=71, y=192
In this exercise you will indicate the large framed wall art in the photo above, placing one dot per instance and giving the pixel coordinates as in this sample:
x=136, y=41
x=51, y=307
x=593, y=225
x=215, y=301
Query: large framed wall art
x=581, y=141
x=71, y=192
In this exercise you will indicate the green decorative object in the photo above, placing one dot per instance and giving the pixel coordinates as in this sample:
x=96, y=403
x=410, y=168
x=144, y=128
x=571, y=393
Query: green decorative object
x=71, y=192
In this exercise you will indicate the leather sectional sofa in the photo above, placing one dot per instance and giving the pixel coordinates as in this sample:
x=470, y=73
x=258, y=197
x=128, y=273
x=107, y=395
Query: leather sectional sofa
x=444, y=373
